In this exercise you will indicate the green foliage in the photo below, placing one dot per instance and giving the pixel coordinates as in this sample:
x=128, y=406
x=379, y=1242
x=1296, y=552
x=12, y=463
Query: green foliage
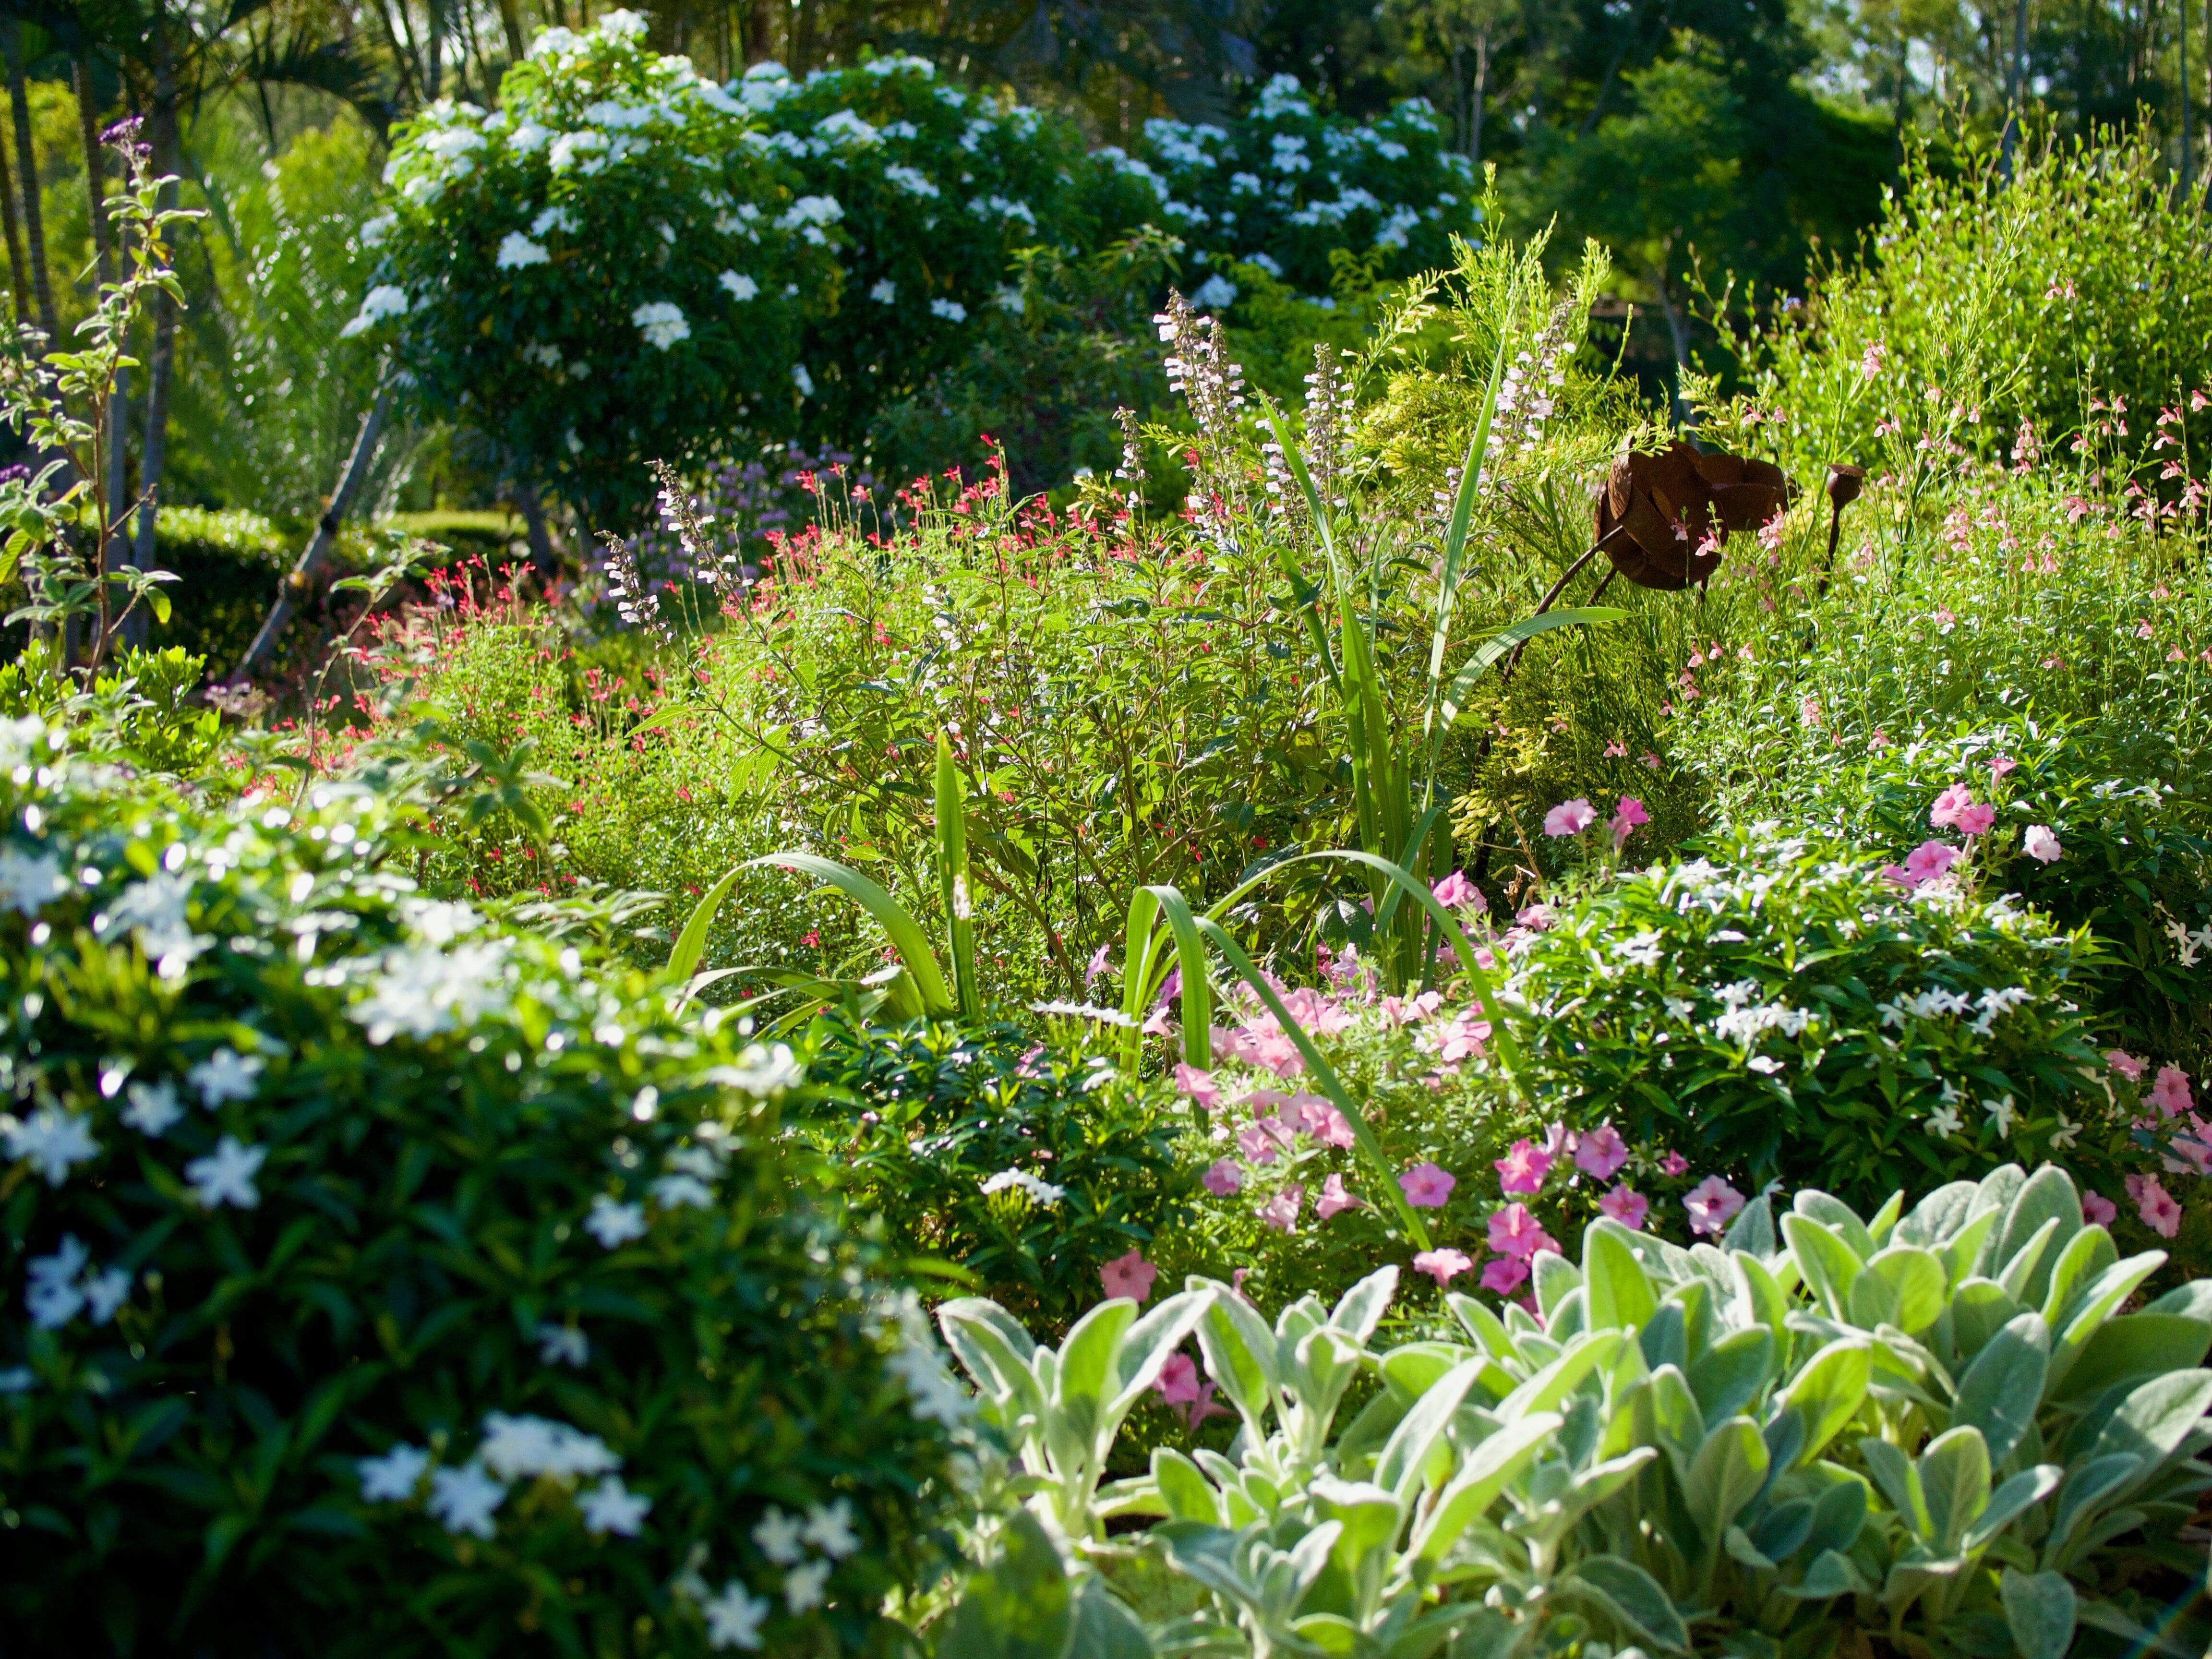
x=1936, y=1427
x=378, y=1256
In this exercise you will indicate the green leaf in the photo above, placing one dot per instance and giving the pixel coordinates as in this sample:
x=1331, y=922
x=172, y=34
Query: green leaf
x=1727, y=1473
x=1471, y=671
x=2002, y=1388
x=1086, y=1360
x=1913, y=1289
x=1017, y=1608
x=1102, y=1628
x=1187, y=1494
x=1149, y=1344
x=2008, y=1501
x=953, y=878
x=1728, y=1376
x=1827, y=1392
x=691, y=943
x=1621, y=1296
x=1832, y=1574
x=1405, y=1454
x=1828, y=1265
x=1955, y=1481
x=2039, y=1610
x=906, y=935
x=2155, y=1417
x=2049, y=1197
x=1633, y=1598
x=1488, y=1468
x=2139, y=1345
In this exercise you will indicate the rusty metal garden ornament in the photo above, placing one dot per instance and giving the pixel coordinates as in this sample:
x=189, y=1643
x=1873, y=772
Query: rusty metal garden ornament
x=1662, y=518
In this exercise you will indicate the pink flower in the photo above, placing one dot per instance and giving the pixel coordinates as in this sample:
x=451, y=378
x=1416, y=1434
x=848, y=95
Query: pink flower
x=1949, y=804
x=1457, y=892
x=1281, y=1212
x=1261, y=1100
x=2097, y=1210
x=1426, y=1187
x=1651, y=760
x=2001, y=765
x=1674, y=1164
x=1129, y=1275
x=1975, y=820
x=1625, y=817
x=1097, y=966
x=2125, y=1064
x=1878, y=740
x=1515, y=1231
x=1602, y=1152
x=1712, y=1203
x=1227, y=1045
x=1616, y=749
x=1199, y=1085
x=1276, y=1052
x=1505, y=1274
x=2156, y=1206
x=1523, y=1168
x=1626, y=1205
x=1928, y=860
x=2171, y=1093
x=1443, y=1266
x=1181, y=1390
x=1570, y=817
x=1256, y=1144
x=1809, y=713
x=1333, y=1128
x=2039, y=843
x=1222, y=1177
x=1333, y=1198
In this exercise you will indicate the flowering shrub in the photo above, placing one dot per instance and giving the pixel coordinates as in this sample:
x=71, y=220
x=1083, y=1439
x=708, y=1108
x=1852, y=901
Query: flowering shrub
x=381, y=1279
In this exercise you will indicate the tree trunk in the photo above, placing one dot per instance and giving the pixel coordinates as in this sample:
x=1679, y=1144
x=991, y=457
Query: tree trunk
x=27, y=163
x=18, y=275
x=1678, y=330
x=541, y=544
x=2016, y=84
x=1481, y=87
x=154, y=457
x=434, y=48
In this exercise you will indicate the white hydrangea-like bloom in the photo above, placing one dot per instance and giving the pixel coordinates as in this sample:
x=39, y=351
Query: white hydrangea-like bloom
x=153, y=1106
x=951, y=310
x=226, y=1074
x=52, y=1294
x=382, y=302
x=662, y=323
x=673, y=1192
x=373, y=231
x=1042, y=1193
x=524, y=1447
x=1216, y=293
x=28, y=883
x=911, y=179
x=740, y=286
x=438, y=922
x=623, y=25
x=155, y=909
x=554, y=218
x=845, y=128
x=423, y=990
x=811, y=211
x=516, y=251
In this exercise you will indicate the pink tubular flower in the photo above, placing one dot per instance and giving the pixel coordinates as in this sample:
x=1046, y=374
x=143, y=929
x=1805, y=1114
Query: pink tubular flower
x=2097, y=1210
x=2157, y=1208
x=2171, y=1092
x=1949, y=804
x=2040, y=844
x=1505, y=1274
x=1976, y=820
x=1570, y=817
x=1457, y=892
x=1333, y=1198
x=2125, y=1064
x=1099, y=959
x=1523, y=1167
x=1626, y=1205
x=1222, y=1177
x=1199, y=1085
x=1515, y=1231
x=1712, y=1203
x=1426, y=1187
x=1129, y=1275
x=1281, y=1212
x=1256, y=1144
x=1928, y=860
x=1625, y=817
x=1443, y=1266
x=1674, y=1164
x=1602, y=1152
x=2001, y=765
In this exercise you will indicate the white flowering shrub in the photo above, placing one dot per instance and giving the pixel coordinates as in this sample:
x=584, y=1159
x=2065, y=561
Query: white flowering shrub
x=380, y=1280
x=610, y=268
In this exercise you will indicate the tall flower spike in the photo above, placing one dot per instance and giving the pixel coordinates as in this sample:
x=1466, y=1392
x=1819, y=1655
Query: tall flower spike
x=635, y=603
x=1132, y=459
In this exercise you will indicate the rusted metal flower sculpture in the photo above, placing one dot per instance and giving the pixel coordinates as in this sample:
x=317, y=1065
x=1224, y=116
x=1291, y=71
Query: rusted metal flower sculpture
x=1662, y=518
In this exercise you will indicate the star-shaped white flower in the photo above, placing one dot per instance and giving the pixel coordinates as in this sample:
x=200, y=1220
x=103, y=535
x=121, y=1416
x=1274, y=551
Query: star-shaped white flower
x=805, y=1587
x=465, y=1499
x=226, y=1074
x=614, y=1224
x=734, y=1618
x=226, y=1176
x=612, y=1507
x=2002, y=1112
x=106, y=1292
x=778, y=1535
x=53, y=1296
x=53, y=1140
x=154, y=1107
x=831, y=1529
x=673, y=1192
x=392, y=1478
x=1679, y=1007
x=562, y=1345
x=1945, y=1120
x=27, y=886
x=2066, y=1134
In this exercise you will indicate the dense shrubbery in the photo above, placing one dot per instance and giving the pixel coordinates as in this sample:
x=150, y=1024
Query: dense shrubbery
x=385, y=1279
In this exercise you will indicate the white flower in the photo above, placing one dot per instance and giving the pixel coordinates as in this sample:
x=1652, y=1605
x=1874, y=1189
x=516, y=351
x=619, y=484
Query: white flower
x=53, y=1140
x=884, y=293
x=778, y=1535
x=562, y=1345
x=154, y=1107
x=52, y=1294
x=2002, y=1113
x=1008, y=298
x=520, y=1446
x=741, y=286
x=227, y=1176
x=464, y=1499
x=106, y=1292
x=2040, y=844
x=2067, y=1134
x=517, y=250
x=701, y=1161
x=155, y=907
x=761, y=1071
x=913, y=180
x=1679, y=1007
x=938, y=1396
x=846, y=128
x=805, y=1587
x=226, y=1074
x=811, y=211
x=381, y=301
x=1041, y=1192
x=831, y=1530
x=437, y=921
x=392, y=1478
x=622, y=25
x=424, y=989
x=610, y=1507
x=733, y=1617
x=373, y=231
x=552, y=218
x=802, y=380
x=28, y=885
x=673, y=1192
x=569, y=145
x=661, y=323
x=951, y=310
x=614, y=1224
x=1945, y=1120
x=1764, y=1065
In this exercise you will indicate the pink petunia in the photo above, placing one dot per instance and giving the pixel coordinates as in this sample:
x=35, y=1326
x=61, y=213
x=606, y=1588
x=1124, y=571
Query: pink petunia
x=1129, y=1275
x=1256, y=1144
x=1333, y=1198
x=1443, y=1266
x=1976, y=820
x=1570, y=817
x=1602, y=1152
x=2001, y=765
x=1426, y=1187
x=1222, y=1177
x=1505, y=1274
x=1626, y=818
x=1626, y=1205
x=1712, y=1203
x=2125, y=1064
x=2097, y=1210
x=2157, y=1208
x=2039, y=843
x=1513, y=1231
x=1184, y=1392
x=1523, y=1167
x=1227, y=1045
x=1281, y=1212
x=1457, y=892
x=1276, y=1052
x=1199, y=1085
x=1928, y=860
x=1949, y=805
x=1674, y=1164
x=2170, y=1093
